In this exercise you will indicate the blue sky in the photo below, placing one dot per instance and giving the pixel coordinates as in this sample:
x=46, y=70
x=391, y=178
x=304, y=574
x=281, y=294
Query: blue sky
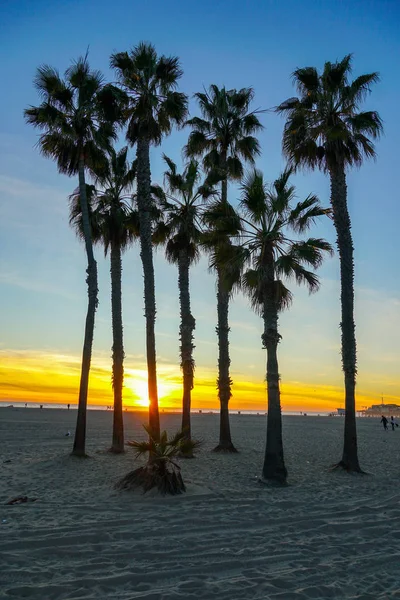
x=237, y=44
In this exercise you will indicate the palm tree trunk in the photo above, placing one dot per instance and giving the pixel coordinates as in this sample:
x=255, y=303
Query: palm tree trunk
x=186, y=329
x=146, y=254
x=118, y=348
x=91, y=280
x=274, y=465
x=341, y=219
x=224, y=381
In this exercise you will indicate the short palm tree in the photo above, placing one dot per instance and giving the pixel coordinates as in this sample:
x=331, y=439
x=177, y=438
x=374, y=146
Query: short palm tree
x=224, y=137
x=325, y=129
x=78, y=116
x=111, y=218
x=154, y=107
x=268, y=258
x=161, y=470
x=181, y=230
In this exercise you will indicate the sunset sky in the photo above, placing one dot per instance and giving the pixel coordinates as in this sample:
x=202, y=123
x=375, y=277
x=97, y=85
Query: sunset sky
x=238, y=43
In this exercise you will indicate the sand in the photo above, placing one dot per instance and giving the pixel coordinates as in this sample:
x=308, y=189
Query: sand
x=326, y=535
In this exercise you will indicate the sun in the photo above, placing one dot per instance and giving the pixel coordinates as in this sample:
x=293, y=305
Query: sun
x=139, y=388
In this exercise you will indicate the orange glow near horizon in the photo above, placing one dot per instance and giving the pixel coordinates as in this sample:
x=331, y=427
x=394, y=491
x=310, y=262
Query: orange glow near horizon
x=45, y=377
x=136, y=384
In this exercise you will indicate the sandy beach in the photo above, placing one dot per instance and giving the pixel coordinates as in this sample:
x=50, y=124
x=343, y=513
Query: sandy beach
x=325, y=535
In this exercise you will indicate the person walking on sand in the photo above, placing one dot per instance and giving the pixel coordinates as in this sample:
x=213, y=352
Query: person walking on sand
x=384, y=422
x=393, y=423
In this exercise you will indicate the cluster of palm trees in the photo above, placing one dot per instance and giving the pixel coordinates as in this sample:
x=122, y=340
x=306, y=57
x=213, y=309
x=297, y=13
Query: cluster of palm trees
x=256, y=246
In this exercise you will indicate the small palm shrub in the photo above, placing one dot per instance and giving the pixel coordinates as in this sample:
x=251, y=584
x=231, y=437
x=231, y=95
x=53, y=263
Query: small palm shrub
x=161, y=471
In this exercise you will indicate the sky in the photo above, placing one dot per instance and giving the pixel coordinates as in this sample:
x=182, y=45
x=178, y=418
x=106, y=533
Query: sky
x=236, y=43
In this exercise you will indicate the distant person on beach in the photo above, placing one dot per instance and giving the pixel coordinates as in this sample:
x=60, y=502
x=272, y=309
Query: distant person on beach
x=68, y=405
x=393, y=423
x=384, y=422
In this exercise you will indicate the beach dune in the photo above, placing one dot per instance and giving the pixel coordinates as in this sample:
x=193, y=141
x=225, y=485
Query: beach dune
x=325, y=535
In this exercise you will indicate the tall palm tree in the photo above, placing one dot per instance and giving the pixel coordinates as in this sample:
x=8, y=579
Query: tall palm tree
x=78, y=116
x=224, y=137
x=181, y=230
x=154, y=107
x=111, y=219
x=268, y=258
x=326, y=129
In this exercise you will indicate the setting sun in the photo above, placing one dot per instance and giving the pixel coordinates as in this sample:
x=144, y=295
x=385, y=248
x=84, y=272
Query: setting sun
x=140, y=390
x=137, y=383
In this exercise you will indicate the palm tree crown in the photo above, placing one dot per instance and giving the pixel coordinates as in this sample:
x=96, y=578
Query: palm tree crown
x=151, y=81
x=182, y=205
x=224, y=136
x=111, y=215
x=267, y=218
x=79, y=115
x=324, y=126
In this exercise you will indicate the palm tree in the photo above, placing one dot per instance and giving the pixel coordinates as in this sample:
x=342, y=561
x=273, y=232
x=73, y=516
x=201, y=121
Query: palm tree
x=78, y=116
x=181, y=231
x=268, y=258
x=325, y=129
x=111, y=218
x=154, y=107
x=224, y=137
x=161, y=470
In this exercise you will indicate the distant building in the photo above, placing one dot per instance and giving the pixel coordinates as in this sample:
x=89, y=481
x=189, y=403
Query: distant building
x=341, y=412
x=382, y=409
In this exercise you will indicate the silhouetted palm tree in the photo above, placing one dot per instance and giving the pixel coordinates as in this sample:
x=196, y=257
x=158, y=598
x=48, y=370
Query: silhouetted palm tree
x=78, y=116
x=224, y=137
x=268, y=257
x=154, y=107
x=111, y=218
x=325, y=129
x=161, y=470
x=181, y=230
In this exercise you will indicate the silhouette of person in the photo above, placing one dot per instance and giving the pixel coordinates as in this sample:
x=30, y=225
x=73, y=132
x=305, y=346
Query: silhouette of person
x=384, y=422
x=68, y=406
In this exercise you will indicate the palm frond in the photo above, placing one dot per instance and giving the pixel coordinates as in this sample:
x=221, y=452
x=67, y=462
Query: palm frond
x=306, y=81
x=197, y=144
x=222, y=219
x=254, y=195
x=290, y=267
x=140, y=447
x=229, y=260
x=304, y=213
x=248, y=148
